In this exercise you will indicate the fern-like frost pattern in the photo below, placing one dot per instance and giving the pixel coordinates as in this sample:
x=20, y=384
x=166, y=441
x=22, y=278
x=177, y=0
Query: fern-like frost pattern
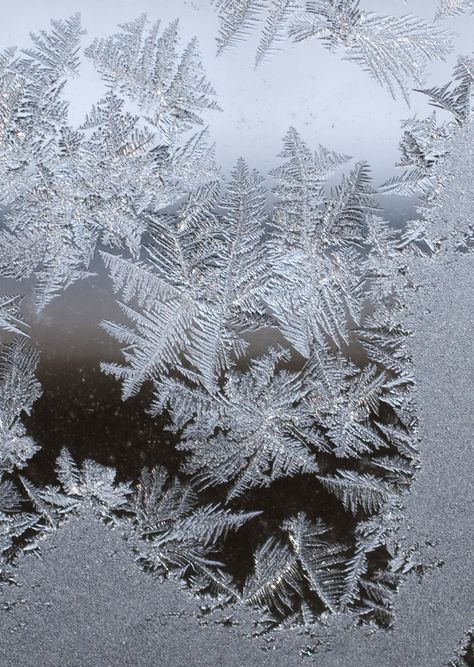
x=273, y=337
x=217, y=276
x=393, y=50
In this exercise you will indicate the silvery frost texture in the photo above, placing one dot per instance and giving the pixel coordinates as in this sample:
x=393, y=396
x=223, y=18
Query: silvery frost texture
x=19, y=389
x=309, y=447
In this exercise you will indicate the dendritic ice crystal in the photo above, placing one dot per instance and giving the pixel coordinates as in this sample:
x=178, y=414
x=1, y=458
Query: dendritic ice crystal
x=393, y=49
x=19, y=389
x=307, y=445
x=223, y=271
x=64, y=189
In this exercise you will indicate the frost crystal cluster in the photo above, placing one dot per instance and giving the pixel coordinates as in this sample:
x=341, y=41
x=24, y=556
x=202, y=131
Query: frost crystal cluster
x=453, y=7
x=274, y=340
x=465, y=654
x=218, y=276
x=438, y=158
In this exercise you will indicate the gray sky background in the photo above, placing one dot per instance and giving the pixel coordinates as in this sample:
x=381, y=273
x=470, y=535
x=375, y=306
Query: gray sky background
x=329, y=100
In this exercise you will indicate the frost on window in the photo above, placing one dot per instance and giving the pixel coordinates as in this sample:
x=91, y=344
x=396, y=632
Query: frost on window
x=454, y=7
x=274, y=338
x=19, y=389
x=465, y=654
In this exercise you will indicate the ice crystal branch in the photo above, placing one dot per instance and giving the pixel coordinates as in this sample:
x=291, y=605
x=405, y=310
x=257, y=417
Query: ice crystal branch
x=394, y=50
x=170, y=89
x=10, y=315
x=201, y=288
x=453, y=7
x=180, y=535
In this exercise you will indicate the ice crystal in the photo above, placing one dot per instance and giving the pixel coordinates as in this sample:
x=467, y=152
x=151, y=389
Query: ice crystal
x=440, y=160
x=213, y=275
x=465, y=653
x=394, y=50
x=201, y=270
x=13, y=522
x=19, y=389
x=179, y=534
x=10, y=315
x=92, y=481
x=452, y=7
x=13, y=526
x=65, y=189
x=49, y=503
x=342, y=398
x=201, y=288
x=91, y=485
x=256, y=434
x=335, y=572
x=316, y=280
x=146, y=66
